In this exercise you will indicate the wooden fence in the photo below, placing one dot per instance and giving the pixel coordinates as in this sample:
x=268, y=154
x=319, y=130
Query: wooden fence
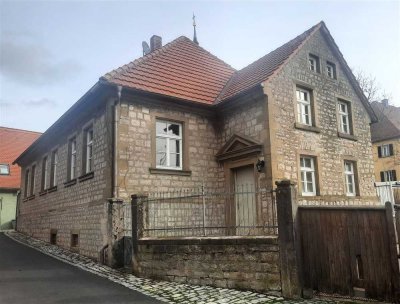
x=350, y=251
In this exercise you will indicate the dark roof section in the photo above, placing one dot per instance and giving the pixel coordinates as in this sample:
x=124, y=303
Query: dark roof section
x=180, y=69
x=261, y=70
x=388, y=125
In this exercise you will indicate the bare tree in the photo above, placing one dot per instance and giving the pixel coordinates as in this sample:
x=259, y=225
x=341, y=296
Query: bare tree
x=370, y=86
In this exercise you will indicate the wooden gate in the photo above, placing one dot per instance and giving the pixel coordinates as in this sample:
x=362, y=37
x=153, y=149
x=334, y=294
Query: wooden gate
x=350, y=251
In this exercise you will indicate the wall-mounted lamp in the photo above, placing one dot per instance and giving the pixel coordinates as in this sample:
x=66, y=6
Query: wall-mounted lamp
x=260, y=165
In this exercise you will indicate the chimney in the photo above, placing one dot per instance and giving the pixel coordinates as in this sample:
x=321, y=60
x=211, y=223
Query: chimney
x=155, y=43
x=385, y=102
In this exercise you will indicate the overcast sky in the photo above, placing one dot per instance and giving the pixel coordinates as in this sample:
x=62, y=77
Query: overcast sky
x=53, y=52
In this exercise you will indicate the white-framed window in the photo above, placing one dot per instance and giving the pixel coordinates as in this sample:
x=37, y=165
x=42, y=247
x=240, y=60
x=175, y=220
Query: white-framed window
x=388, y=176
x=313, y=63
x=44, y=174
x=27, y=182
x=168, y=145
x=350, y=181
x=33, y=180
x=54, y=163
x=344, y=117
x=304, y=115
x=4, y=169
x=72, y=158
x=308, y=180
x=385, y=150
x=331, y=70
x=89, y=151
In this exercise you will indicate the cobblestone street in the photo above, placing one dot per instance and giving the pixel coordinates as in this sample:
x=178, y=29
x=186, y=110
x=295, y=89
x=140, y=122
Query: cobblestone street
x=164, y=291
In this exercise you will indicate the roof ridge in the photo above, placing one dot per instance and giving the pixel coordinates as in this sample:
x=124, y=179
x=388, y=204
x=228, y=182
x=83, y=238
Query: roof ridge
x=142, y=59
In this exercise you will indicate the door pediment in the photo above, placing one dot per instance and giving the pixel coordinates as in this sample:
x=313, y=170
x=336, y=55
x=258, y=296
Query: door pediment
x=238, y=146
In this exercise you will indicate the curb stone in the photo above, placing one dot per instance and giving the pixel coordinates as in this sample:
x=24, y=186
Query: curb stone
x=168, y=292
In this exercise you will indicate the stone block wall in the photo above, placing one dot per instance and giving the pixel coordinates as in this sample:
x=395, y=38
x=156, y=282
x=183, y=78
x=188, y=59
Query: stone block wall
x=330, y=150
x=78, y=208
x=241, y=263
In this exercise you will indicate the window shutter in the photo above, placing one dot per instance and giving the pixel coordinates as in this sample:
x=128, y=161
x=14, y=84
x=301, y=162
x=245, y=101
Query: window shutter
x=380, y=153
x=390, y=149
x=394, y=175
x=382, y=177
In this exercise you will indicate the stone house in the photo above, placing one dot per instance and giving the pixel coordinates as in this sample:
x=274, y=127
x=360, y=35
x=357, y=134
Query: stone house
x=179, y=117
x=385, y=135
x=13, y=143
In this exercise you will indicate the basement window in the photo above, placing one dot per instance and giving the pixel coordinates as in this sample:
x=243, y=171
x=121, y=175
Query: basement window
x=53, y=237
x=74, y=240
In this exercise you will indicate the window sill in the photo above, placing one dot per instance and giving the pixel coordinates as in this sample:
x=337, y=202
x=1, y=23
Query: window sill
x=303, y=127
x=170, y=172
x=86, y=176
x=347, y=136
x=52, y=189
x=30, y=197
x=70, y=183
x=44, y=192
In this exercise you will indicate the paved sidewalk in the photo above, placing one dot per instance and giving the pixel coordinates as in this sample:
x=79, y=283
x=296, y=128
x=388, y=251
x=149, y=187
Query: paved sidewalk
x=165, y=291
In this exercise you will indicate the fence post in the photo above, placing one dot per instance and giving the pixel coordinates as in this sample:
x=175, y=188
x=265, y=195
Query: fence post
x=135, y=237
x=289, y=243
x=394, y=257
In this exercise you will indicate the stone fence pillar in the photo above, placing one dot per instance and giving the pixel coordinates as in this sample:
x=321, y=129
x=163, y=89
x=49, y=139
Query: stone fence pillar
x=289, y=242
x=137, y=230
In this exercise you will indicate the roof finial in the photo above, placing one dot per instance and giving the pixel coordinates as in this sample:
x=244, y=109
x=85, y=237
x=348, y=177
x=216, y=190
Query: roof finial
x=194, y=27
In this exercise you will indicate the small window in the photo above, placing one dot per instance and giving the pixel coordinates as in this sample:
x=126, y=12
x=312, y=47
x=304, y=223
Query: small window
x=349, y=174
x=304, y=111
x=33, y=180
x=44, y=174
x=331, y=70
x=74, y=240
x=344, y=117
x=4, y=169
x=53, y=237
x=27, y=182
x=72, y=159
x=88, y=151
x=385, y=150
x=388, y=176
x=168, y=145
x=54, y=162
x=313, y=62
x=308, y=177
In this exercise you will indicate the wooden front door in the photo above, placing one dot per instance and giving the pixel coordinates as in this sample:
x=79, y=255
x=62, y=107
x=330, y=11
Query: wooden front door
x=245, y=200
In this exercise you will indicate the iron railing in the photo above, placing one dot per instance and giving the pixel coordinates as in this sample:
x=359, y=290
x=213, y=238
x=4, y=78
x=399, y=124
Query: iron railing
x=204, y=212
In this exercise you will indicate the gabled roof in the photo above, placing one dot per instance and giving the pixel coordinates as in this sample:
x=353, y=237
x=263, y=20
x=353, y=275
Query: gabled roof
x=260, y=70
x=13, y=143
x=180, y=69
x=388, y=125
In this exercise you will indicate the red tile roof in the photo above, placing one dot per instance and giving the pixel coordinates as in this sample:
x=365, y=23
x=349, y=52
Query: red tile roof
x=185, y=70
x=180, y=69
x=13, y=143
x=388, y=125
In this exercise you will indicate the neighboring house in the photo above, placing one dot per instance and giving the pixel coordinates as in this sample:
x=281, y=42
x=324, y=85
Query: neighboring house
x=12, y=143
x=179, y=117
x=385, y=135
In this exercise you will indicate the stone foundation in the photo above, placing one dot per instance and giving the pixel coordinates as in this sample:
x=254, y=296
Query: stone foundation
x=250, y=263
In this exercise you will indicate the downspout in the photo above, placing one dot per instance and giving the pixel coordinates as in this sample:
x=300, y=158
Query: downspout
x=114, y=143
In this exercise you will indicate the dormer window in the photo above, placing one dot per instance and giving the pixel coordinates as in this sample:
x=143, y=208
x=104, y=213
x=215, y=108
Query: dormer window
x=331, y=70
x=4, y=169
x=313, y=63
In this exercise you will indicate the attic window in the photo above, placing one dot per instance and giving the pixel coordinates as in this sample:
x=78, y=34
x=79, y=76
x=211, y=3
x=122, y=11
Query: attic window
x=313, y=62
x=331, y=70
x=4, y=169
